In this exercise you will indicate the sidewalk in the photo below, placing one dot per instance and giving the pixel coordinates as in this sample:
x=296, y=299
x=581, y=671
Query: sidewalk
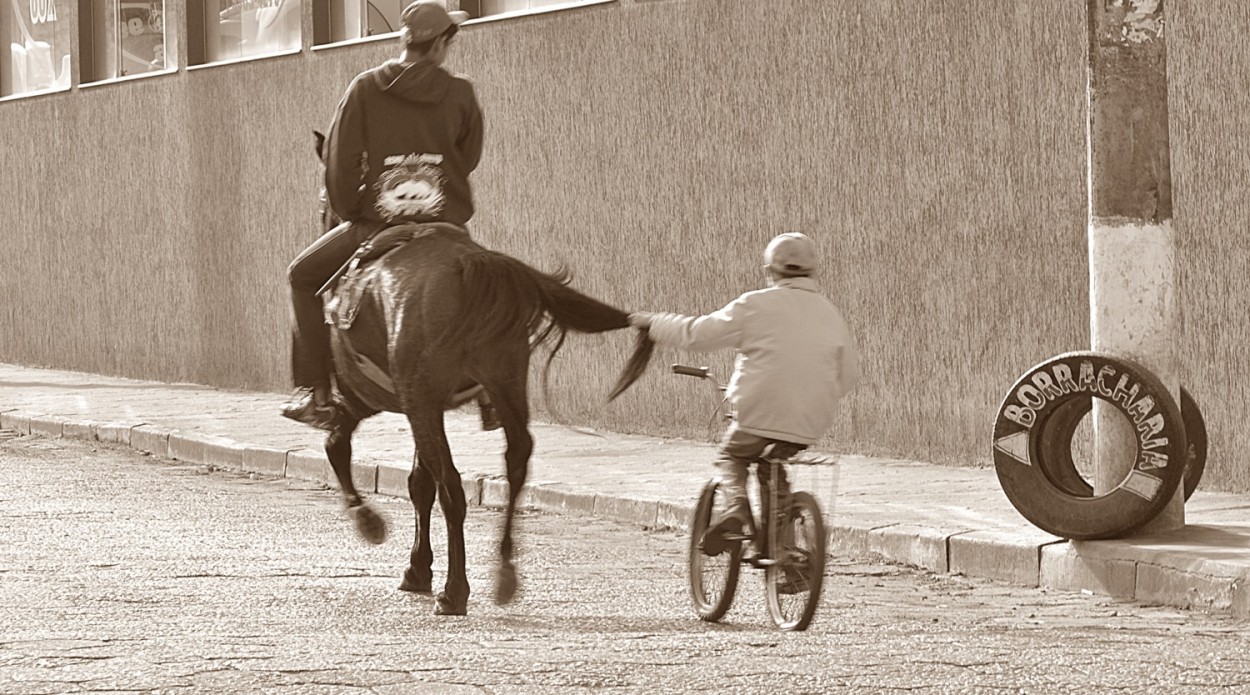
x=939, y=518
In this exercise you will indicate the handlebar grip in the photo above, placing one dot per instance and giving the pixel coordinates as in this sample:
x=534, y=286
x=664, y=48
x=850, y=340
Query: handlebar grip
x=700, y=372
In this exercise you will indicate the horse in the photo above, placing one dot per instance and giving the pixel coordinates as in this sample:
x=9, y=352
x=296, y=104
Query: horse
x=431, y=318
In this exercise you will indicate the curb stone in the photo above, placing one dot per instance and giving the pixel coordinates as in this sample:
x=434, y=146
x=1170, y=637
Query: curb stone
x=265, y=460
x=150, y=439
x=115, y=433
x=46, y=426
x=80, y=429
x=15, y=420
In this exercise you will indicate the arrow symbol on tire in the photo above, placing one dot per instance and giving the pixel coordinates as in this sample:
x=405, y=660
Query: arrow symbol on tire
x=1016, y=446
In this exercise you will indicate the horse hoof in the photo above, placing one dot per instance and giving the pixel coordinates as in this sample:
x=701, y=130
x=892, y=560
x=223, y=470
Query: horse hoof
x=505, y=585
x=445, y=606
x=369, y=524
x=416, y=586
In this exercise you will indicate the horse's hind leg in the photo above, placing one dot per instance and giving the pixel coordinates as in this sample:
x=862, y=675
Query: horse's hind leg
x=369, y=524
x=419, y=577
x=513, y=408
x=431, y=441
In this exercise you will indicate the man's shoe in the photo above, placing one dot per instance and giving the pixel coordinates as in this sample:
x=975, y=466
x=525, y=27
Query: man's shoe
x=490, y=417
x=303, y=407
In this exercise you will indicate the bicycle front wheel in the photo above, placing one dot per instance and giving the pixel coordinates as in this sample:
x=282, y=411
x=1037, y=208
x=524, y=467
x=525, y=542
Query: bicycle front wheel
x=794, y=581
x=713, y=570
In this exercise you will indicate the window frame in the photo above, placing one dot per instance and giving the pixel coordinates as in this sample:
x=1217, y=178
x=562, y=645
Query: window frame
x=87, y=68
x=6, y=64
x=197, y=25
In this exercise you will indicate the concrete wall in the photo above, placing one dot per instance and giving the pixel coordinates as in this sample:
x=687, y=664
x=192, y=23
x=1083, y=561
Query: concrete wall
x=937, y=155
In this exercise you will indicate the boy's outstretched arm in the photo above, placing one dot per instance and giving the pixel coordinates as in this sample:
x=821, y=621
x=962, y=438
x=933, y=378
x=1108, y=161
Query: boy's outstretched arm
x=714, y=331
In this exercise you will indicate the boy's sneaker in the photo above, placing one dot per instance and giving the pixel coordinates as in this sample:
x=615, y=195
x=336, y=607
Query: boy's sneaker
x=726, y=530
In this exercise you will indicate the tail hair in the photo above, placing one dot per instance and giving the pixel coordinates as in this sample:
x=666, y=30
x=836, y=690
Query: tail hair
x=504, y=295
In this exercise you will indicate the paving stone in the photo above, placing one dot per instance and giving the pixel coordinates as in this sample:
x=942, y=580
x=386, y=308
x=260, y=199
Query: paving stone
x=16, y=421
x=152, y=439
x=264, y=460
x=392, y=481
x=1009, y=557
x=79, y=429
x=187, y=446
x=848, y=540
x=304, y=464
x=918, y=546
x=494, y=491
x=46, y=426
x=674, y=516
x=626, y=509
x=1064, y=567
x=1171, y=586
x=364, y=477
x=224, y=453
x=114, y=432
x=560, y=499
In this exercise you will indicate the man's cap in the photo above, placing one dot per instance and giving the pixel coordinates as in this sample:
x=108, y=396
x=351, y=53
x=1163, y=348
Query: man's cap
x=427, y=19
x=791, y=253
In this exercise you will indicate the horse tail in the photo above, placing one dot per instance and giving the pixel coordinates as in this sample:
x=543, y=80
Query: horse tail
x=501, y=294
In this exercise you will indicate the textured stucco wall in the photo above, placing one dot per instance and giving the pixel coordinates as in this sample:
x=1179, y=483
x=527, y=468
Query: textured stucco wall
x=937, y=155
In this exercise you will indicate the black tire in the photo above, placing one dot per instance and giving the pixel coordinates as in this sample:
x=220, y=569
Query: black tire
x=1196, y=438
x=800, y=566
x=713, y=578
x=1062, y=469
x=1034, y=428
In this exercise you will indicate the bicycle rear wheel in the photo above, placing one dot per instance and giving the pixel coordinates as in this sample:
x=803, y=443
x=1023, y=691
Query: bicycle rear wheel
x=793, y=583
x=713, y=578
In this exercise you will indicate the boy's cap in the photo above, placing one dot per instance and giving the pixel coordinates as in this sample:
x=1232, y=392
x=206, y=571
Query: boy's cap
x=426, y=19
x=791, y=253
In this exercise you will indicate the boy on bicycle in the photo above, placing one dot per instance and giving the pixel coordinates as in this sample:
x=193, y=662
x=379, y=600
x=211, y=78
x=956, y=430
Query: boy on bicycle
x=796, y=360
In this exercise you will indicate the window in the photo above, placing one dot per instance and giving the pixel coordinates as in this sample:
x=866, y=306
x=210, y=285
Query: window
x=35, y=36
x=482, y=8
x=121, y=38
x=221, y=30
x=345, y=20
x=353, y=19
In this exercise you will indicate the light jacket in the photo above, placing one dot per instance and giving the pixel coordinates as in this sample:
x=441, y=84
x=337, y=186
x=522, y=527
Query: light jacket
x=796, y=357
x=403, y=143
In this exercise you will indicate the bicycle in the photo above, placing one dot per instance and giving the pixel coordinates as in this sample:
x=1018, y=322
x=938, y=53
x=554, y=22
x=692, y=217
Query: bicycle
x=790, y=549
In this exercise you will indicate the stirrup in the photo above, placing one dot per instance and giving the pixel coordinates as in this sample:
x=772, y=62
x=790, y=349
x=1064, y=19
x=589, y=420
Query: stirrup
x=463, y=396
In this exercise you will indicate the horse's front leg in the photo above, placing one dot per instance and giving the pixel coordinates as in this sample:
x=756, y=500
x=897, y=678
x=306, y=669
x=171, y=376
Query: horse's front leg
x=369, y=524
x=419, y=577
x=431, y=441
x=454, y=599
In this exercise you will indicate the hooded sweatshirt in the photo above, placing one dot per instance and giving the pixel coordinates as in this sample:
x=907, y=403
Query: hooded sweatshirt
x=403, y=143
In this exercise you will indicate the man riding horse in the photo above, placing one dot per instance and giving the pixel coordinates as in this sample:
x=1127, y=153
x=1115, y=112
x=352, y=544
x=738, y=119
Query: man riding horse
x=405, y=138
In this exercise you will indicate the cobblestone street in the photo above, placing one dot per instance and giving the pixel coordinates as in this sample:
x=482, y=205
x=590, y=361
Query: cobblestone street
x=124, y=573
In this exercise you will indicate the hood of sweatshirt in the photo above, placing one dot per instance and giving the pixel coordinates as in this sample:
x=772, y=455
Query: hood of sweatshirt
x=421, y=83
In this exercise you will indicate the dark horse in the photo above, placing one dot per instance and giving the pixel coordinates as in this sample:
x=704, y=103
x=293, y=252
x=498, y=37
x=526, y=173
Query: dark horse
x=430, y=316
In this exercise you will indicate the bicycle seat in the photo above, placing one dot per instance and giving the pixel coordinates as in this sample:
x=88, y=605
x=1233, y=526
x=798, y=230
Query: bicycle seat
x=782, y=451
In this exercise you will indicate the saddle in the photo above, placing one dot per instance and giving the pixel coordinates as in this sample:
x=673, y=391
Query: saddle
x=343, y=295
x=345, y=288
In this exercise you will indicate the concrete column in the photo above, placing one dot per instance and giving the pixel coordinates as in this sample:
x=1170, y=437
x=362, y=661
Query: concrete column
x=1132, y=249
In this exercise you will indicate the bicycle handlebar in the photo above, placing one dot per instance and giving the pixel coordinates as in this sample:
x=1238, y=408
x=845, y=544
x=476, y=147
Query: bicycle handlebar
x=701, y=372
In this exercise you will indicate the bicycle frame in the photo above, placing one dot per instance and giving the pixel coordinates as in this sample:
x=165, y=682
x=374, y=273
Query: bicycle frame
x=793, y=565
x=776, y=472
